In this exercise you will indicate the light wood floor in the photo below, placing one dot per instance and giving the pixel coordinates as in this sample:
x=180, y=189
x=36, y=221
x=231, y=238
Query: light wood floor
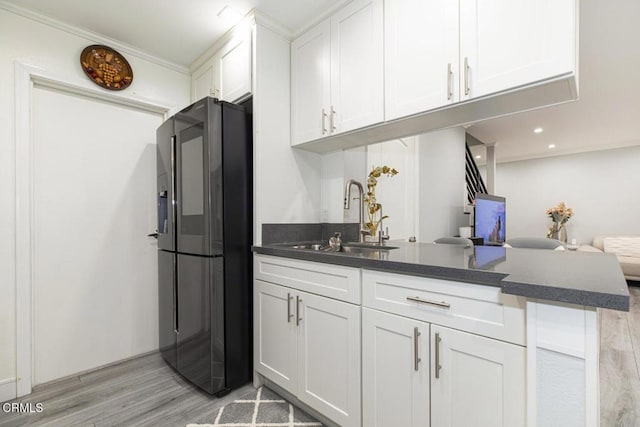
x=141, y=392
x=146, y=392
x=620, y=365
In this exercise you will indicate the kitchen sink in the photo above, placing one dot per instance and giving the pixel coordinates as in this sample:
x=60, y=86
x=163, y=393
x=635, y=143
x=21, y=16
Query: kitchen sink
x=347, y=248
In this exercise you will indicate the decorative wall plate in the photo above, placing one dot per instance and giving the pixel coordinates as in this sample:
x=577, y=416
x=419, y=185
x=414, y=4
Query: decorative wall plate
x=106, y=67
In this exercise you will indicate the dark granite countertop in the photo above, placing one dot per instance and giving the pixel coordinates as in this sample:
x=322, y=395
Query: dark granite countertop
x=590, y=279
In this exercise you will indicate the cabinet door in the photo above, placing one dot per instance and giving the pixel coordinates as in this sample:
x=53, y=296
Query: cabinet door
x=275, y=334
x=310, y=74
x=476, y=381
x=329, y=357
x=203, y=80
x=395, y=371
x=356, y=66
x=421, y=55
x=507, y=43
x=235, y=68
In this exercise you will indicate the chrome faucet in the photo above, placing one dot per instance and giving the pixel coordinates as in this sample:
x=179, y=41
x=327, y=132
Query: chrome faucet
x=347, y=205
x=382, y=236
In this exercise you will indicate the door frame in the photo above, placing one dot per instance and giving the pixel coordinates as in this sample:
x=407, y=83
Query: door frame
x=26, y=78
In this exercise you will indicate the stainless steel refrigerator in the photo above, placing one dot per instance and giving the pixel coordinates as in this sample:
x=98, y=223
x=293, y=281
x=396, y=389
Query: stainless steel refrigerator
x=204, y=243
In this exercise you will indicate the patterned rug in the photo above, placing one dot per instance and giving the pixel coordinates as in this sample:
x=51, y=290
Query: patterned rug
x=266, y=409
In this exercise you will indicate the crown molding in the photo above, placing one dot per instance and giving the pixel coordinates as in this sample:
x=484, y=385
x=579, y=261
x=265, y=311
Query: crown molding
x=252, y=18
x=92, y=36
x=268, y=22
x=320, y=17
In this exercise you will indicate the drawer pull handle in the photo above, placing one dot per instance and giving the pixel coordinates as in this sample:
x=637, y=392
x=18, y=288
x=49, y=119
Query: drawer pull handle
x=289, y=315
x=438, y=365
x=426, y=301
x=416, y=359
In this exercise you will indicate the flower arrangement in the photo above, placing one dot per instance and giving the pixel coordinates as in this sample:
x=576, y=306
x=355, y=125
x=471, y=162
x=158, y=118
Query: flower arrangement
x=372, y=206
x=559, y=214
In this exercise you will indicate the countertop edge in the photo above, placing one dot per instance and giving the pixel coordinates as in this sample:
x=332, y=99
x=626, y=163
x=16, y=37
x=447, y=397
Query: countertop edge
x=542, y=292
x=569, y=296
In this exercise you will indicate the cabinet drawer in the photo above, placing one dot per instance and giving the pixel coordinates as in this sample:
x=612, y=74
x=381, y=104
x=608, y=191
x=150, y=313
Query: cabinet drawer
x=482, y=310
x=333, y=281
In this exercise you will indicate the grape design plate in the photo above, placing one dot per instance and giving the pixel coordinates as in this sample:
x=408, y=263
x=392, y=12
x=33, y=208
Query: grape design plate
x=106, y=67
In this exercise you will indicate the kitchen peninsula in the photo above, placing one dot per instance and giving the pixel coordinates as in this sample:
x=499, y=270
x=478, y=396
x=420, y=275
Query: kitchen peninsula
x=440, y=333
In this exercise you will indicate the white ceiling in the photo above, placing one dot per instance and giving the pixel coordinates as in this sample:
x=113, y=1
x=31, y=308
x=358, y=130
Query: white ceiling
x=606, y=115
x=175, y=30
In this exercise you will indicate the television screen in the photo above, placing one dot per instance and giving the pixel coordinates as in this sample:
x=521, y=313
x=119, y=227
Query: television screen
x=490, y=219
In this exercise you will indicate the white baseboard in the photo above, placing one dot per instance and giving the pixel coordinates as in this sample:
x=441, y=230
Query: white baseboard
x=7, y=389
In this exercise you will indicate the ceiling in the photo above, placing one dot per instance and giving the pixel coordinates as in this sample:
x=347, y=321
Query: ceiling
x=606, y=115
x=175, y=30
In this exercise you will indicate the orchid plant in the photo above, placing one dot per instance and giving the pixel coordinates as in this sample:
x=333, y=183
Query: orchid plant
x=372, y=206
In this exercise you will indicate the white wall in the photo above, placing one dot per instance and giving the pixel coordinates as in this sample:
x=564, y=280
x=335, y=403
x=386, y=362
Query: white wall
x=56, y=51
x=600, y=186
x=337, y=168
x=398, y=194
x=287, y=181
x=441, y=184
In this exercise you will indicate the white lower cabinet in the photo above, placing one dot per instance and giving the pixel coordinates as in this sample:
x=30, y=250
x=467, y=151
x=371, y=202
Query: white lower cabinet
x=310, y=346
x=395, y=368
x=417, y=374
x=476, y=381
x=403, y=367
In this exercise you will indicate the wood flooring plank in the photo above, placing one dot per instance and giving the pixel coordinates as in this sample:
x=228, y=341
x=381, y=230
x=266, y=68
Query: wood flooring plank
x=619, y=373
x=619, y=391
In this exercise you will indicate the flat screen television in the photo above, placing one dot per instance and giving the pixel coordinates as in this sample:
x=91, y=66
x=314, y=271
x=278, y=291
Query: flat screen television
x=490, y=219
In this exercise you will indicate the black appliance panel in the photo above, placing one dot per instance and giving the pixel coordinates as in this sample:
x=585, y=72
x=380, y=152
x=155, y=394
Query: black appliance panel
x=194, y=338
x=198, y=136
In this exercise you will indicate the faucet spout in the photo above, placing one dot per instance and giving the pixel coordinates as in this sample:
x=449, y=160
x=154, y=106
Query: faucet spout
x=347, y=205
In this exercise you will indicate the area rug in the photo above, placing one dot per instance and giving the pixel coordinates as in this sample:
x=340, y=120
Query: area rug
x=266, y=409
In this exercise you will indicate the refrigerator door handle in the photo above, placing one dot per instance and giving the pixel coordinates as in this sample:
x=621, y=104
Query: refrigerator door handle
x=175, y=295
x=174, y=206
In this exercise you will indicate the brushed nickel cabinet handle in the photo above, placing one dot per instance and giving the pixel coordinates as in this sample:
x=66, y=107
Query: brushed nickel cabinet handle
x=449, y=81
x=298, y=318
x=438, y=366
x=324, y=119
x=289, y=315
x=332, y=120
x=429, y=302
x=416, y=359
x=466, y=76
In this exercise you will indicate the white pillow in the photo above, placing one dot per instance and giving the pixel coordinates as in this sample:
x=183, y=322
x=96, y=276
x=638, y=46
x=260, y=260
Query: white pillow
x=622, y=246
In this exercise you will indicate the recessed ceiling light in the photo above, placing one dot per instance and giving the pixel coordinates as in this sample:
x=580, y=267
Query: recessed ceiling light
x=538, y=130
x=552, y=145
x=478, y=156
x=230, y=15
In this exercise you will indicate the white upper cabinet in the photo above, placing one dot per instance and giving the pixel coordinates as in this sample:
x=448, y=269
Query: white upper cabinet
x=227, y=74
x=310, y=84
x=421, y=55
x=235, y=68
x=337, y=73
x=356, y=66
x=420, y=60
x=204, y=80
x=509, y=43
